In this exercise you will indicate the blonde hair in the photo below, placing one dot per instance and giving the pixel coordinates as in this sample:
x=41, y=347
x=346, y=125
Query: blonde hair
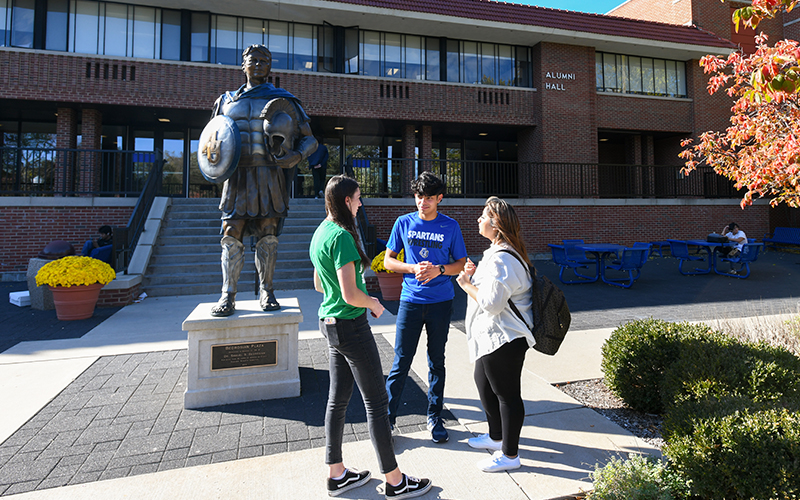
x=504, y=219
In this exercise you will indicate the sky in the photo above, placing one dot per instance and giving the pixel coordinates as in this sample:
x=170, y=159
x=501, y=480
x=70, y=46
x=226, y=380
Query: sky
x=595, y=6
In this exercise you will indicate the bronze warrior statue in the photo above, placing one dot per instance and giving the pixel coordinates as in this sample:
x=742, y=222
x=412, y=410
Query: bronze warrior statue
x=256, y=137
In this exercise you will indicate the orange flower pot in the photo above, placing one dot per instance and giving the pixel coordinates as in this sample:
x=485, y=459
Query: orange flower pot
x=391, y=285
x=75, y=302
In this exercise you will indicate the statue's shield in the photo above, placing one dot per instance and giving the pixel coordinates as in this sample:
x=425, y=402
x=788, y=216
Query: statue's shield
x=220, y=148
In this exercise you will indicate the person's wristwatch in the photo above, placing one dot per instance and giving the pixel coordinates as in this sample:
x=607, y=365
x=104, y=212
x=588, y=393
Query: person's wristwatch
x=441, y=269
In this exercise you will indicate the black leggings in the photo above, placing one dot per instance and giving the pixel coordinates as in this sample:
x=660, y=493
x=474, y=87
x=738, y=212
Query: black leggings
x=497, y=376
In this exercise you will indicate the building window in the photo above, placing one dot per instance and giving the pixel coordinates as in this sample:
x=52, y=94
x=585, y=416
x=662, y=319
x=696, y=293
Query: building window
x=57, y=21
x=278, y=44
x=369, y=50
x=22, y=23
x=110, y=29
x=127, y=30
x=469, y=62
x=201, y=27
x=304, y=48
x=5, y=19
x=145, y=31
x=640, y=75
x=433, y=70
x=171, y=35
x=116, y=30
x=223, y=41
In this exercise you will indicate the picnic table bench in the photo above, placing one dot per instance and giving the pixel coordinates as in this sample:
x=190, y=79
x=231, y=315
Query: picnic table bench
x=783, y=235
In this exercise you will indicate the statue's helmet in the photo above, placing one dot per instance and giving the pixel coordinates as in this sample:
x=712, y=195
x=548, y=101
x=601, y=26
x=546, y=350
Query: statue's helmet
x=280, y=126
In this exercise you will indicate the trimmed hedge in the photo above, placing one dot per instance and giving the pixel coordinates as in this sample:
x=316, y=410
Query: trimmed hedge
x=731, y=409
x=744, y=454
x=637, y=355
x=723, y=367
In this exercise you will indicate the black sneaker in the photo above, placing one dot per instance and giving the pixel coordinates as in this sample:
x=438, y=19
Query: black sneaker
x=352, y=479
x=410, y=487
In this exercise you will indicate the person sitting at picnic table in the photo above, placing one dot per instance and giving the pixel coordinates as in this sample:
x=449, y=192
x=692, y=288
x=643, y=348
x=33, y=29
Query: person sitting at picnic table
x=734, y=235
x=100, y=248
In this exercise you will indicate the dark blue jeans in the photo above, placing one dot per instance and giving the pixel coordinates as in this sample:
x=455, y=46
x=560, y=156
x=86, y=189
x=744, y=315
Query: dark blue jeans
x=410, y=320
x=354, y=358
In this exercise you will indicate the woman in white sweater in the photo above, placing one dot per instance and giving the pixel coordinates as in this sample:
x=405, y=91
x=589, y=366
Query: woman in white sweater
x=498, y=339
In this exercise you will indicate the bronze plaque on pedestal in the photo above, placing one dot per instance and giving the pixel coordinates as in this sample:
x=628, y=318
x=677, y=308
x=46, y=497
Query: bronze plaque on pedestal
x=244, y=355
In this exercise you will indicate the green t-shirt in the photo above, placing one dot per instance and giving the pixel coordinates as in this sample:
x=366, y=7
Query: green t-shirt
x=332, y=247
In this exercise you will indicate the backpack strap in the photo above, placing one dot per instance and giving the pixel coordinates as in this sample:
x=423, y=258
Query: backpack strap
x=533, y=277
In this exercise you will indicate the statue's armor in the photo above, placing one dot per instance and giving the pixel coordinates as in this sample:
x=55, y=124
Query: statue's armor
x=245, y=113
x=258, y=188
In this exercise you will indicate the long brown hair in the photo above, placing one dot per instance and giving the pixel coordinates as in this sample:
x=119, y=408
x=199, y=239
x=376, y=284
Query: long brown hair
x=504, y=219
x=337, y=189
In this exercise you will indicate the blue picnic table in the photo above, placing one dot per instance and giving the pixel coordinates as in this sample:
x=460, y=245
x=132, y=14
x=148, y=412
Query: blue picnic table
x=679, y=250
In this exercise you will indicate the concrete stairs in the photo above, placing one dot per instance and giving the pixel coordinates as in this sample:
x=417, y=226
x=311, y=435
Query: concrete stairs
x=186, y=258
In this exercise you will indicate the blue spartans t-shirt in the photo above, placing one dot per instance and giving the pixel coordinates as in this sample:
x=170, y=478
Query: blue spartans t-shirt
x=434, y=241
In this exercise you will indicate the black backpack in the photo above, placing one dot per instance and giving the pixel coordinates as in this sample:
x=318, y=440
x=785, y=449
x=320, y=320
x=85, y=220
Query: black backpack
x=551, y=316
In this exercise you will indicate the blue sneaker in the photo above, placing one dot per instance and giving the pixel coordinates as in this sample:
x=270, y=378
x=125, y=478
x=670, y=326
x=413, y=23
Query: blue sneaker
x=438, y=432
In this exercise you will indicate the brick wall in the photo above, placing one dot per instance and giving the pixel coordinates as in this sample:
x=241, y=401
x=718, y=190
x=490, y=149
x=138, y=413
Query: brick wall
x=791, y=28
x=565, y=77
x=643, y=113
x=709, y=15
x=123, y=297
x=661, y=11
x=624, y=224
x=28, y=75
x=711, y=112
x=25, y=231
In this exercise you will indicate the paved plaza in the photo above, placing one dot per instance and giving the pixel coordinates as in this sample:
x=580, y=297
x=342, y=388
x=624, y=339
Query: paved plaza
x=94, y=408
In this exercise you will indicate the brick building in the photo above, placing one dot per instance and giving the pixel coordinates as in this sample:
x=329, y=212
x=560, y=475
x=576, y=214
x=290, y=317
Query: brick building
x=577, y=117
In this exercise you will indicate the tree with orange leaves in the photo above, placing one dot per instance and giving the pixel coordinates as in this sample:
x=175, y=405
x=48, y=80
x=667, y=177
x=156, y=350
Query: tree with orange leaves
x=760, y=151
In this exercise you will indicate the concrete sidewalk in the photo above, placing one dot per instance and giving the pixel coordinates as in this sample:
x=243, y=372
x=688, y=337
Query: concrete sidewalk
x=561, y=439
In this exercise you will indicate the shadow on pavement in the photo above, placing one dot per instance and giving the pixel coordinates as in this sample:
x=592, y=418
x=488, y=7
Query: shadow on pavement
x=21, y=324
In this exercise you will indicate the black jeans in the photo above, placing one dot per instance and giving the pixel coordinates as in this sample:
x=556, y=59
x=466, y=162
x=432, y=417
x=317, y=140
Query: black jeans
x=497, y=376
x=319, y=174
x=354, y=358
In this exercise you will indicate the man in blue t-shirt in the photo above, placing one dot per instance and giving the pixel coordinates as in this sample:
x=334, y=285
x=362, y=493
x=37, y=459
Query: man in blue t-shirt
x=430, y=240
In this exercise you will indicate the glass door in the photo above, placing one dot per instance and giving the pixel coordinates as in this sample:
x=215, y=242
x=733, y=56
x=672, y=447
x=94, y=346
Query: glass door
x=173, y=146
x=199, y=187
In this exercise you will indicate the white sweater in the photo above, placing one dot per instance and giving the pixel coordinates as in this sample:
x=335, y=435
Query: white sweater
x=490, y=321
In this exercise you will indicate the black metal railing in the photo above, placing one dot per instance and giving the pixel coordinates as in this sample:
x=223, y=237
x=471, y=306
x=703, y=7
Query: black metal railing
x=74, y=172
x=125, y=238
x=79, y=172
x=383, y=177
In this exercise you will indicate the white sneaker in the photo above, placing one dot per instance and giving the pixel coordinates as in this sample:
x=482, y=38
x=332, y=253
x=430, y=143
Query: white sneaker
x=484, y=442
x=498, y=462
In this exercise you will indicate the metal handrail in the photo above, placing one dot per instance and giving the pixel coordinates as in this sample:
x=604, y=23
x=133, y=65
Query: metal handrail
x=125, y=238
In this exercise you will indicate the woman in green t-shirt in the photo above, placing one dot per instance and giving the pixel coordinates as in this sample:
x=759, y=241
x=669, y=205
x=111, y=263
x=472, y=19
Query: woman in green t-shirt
x=338, y=265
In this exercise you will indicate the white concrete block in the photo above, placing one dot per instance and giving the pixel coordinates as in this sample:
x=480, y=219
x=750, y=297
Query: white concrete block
x=224, y=362
x=21, y=299
x=140, y=259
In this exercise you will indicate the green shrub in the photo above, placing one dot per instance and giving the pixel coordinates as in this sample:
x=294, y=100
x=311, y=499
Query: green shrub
x=638, y=478
x=740, y=454
x=682, y=419
x=731, y=409
x=638, y=353
x=719, y=367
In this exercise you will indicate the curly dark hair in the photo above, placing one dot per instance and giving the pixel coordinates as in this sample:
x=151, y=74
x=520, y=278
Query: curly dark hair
x=428, y=184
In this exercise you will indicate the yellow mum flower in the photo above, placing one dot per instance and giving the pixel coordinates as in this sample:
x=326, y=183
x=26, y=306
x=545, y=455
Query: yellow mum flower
x=74, y=271
x=377, y=262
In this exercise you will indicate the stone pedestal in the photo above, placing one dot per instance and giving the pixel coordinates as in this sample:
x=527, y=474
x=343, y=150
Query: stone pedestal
x=41, y=296
x=249, y=356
